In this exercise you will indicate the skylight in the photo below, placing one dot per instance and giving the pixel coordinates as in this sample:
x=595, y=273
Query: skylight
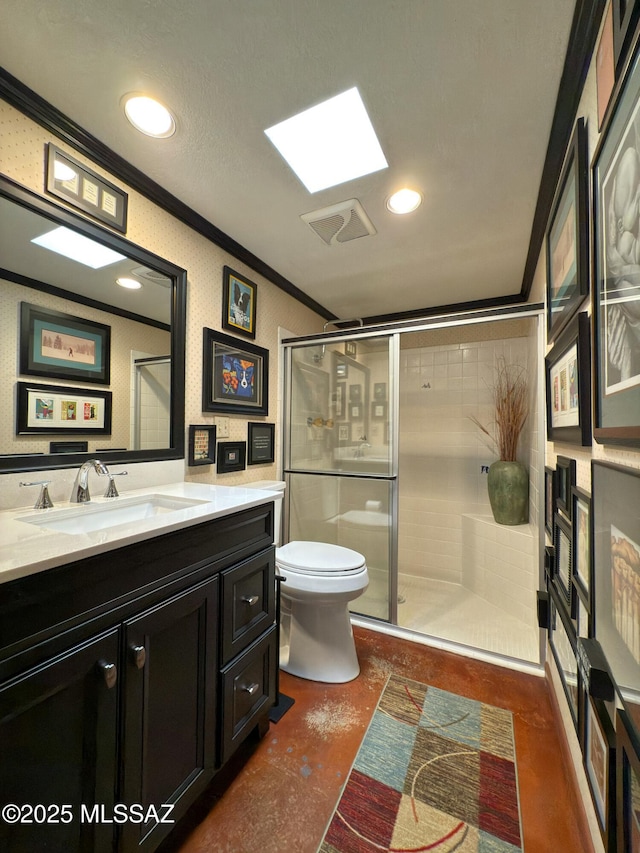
x=331, y=143
x=78, y=248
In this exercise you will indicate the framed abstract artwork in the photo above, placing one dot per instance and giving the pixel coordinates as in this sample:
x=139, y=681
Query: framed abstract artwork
x=566, y=240
x=235, y=375
x=616, y=296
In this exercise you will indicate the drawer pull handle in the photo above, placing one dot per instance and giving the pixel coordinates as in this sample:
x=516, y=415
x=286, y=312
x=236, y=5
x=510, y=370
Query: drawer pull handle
x=251, y=688
x=138, y=656
x=250, y=599
x=109, y=673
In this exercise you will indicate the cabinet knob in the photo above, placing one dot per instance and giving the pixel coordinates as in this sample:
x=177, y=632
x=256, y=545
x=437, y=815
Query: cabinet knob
x=250, y=688
x=250, y=599
x=138, y=656
x=109, y=673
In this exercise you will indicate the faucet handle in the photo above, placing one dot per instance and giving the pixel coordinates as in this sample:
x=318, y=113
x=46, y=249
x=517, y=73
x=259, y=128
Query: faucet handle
x=44, y=501
x=112, y=491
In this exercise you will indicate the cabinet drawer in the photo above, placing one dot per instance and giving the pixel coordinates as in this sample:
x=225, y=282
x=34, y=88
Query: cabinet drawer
x=248, y=603
x=248, y=689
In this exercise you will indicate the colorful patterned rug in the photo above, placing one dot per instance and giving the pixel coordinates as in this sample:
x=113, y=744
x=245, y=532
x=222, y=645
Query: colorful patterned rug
x=435, y=772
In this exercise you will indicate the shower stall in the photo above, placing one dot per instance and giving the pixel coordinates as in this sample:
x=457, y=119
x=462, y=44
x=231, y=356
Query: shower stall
x=381, y=455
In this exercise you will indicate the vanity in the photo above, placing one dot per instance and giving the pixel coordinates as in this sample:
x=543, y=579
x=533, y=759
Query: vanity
x=136, y=654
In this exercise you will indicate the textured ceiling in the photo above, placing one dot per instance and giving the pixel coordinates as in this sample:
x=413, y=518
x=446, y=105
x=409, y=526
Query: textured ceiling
x=461, y=95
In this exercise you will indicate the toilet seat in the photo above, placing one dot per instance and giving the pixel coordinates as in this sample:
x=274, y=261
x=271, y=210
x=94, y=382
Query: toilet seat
x=319, y=558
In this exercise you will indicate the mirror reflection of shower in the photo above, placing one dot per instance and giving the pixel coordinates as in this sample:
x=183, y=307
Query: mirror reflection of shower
x=151, y=398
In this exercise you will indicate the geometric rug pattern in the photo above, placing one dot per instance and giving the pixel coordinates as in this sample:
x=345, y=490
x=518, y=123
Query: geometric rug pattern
x=435, y=772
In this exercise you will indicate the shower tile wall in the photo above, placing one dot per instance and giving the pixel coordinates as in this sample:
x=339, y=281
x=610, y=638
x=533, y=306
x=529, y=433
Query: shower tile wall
x=443, y=454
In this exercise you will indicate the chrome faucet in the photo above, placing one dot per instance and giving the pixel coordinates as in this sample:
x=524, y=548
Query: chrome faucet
x=359, y=452
x=80, y=493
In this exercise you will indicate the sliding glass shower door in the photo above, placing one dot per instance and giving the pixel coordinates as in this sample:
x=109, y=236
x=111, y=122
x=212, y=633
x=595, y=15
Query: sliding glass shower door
x=340, y=457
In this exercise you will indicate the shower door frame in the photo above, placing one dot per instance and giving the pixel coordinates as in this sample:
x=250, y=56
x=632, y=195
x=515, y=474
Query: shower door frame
x=394, y=331
x=289, y=344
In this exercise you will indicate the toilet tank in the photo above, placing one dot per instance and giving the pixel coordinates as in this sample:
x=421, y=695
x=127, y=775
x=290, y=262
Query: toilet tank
x=272, y=486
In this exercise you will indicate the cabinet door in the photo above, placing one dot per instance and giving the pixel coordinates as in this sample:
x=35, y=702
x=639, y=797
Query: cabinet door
x=58, y=725
x=169, y=709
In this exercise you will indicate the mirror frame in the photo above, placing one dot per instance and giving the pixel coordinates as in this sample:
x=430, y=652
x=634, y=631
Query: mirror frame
x=47, y=461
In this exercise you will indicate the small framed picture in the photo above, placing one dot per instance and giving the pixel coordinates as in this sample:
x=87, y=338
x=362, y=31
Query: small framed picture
x=202, y=444
x=568, y=384
x=342, y=369
x=339, y=401
x=563, y=642
x=231, y=456
x=355, y=393
x=563, y=575
x=380, y=391
x=344, y=432
x=261, y=442
x=599, y=751
x=565, y=481
x=355, y=411
x=549, y=498
x=350, y=348
x=378, y=410
x=239, y=299
x=581, y=544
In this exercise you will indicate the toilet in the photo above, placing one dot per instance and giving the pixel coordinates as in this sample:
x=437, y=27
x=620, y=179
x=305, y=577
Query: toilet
x=319, y=580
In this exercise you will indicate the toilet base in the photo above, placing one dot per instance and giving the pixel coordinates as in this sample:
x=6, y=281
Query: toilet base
x=320, y=642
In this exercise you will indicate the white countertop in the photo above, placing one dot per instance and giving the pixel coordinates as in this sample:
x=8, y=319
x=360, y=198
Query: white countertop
x=27, y=548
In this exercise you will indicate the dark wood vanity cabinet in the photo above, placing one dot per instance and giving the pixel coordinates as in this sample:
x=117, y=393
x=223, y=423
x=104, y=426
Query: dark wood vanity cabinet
x=128, y=705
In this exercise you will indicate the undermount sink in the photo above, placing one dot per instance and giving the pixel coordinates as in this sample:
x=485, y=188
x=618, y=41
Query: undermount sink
x=84, y=518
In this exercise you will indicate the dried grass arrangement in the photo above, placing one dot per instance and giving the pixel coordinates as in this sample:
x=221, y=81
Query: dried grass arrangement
x=511, y=405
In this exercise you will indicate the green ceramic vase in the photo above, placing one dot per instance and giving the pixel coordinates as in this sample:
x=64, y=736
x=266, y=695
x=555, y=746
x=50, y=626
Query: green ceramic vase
x=508, y=485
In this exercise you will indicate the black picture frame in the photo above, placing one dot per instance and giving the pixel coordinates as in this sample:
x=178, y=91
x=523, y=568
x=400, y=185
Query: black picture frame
x=549, y=498
x=340, y=401
x=616, y=291
x=380, y=391
x=235, y=375
x=84, y=189
x=202, y=444
x=356, y=411
x=379, y=410
x=582, y=546
x=261, y=443
x=565, y=481
x=625, y=18
x=605, y=66
x=615, y=521
x=231, y=456
x=57, y=345
x=62, y=409
x=599, y=759
x=566, y=238
x=563, y=644
x=239, y=303
x=350, y=348
x=568, y=384
x=563, y=563
x=627, y=784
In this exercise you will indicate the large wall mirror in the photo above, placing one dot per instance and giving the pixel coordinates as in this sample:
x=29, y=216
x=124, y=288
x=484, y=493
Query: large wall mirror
x=88, y=366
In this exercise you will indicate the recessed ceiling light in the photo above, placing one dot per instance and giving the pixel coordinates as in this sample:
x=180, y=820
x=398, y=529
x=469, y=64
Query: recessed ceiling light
x=149, y=116
x=331, y=143
x=404, y=201
x=76, y=247
x=129, y=283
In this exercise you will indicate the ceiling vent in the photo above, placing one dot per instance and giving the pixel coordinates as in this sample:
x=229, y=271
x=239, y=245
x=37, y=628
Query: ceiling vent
x=340, y=223
x=152, y=275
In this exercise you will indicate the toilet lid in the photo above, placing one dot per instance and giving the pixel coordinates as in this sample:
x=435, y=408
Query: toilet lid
x=318, y=558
